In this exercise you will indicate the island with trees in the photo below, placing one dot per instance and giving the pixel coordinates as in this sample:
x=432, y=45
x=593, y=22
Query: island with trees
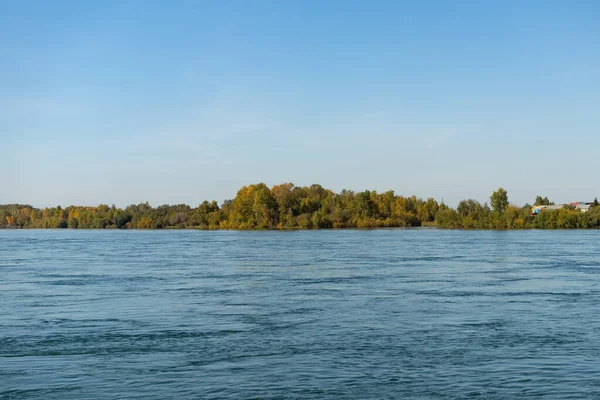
x=287, y=206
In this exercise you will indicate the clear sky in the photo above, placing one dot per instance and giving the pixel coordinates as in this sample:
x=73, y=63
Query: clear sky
x=176, y=102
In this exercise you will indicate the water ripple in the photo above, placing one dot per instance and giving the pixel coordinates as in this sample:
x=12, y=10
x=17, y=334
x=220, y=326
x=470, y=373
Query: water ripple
x=408, y=313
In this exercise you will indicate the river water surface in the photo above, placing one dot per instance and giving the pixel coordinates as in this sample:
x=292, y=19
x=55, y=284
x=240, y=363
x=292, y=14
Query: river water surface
x=416, y=313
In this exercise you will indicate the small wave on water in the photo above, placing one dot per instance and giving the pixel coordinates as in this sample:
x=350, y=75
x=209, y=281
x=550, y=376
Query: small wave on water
x=407, y=313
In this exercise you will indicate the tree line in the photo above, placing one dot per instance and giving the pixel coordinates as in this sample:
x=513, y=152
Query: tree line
x=287, y=206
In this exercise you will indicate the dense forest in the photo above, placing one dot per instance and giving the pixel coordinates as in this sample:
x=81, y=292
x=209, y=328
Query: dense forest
x=290, y=207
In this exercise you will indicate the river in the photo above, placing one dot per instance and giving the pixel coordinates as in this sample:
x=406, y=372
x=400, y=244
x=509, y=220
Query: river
x=398, y=313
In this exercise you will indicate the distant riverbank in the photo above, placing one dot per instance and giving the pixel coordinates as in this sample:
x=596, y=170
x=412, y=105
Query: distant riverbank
x=288, y=207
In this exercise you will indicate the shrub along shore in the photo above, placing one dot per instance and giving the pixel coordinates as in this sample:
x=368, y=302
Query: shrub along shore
x=287, y=206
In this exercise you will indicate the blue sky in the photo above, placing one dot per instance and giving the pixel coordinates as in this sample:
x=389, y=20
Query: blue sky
x=177, y=102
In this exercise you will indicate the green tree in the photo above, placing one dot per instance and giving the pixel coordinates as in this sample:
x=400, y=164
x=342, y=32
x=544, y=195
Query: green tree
x=542, y=201
x=447, y=218
x=499, y=200
x=122, y=218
